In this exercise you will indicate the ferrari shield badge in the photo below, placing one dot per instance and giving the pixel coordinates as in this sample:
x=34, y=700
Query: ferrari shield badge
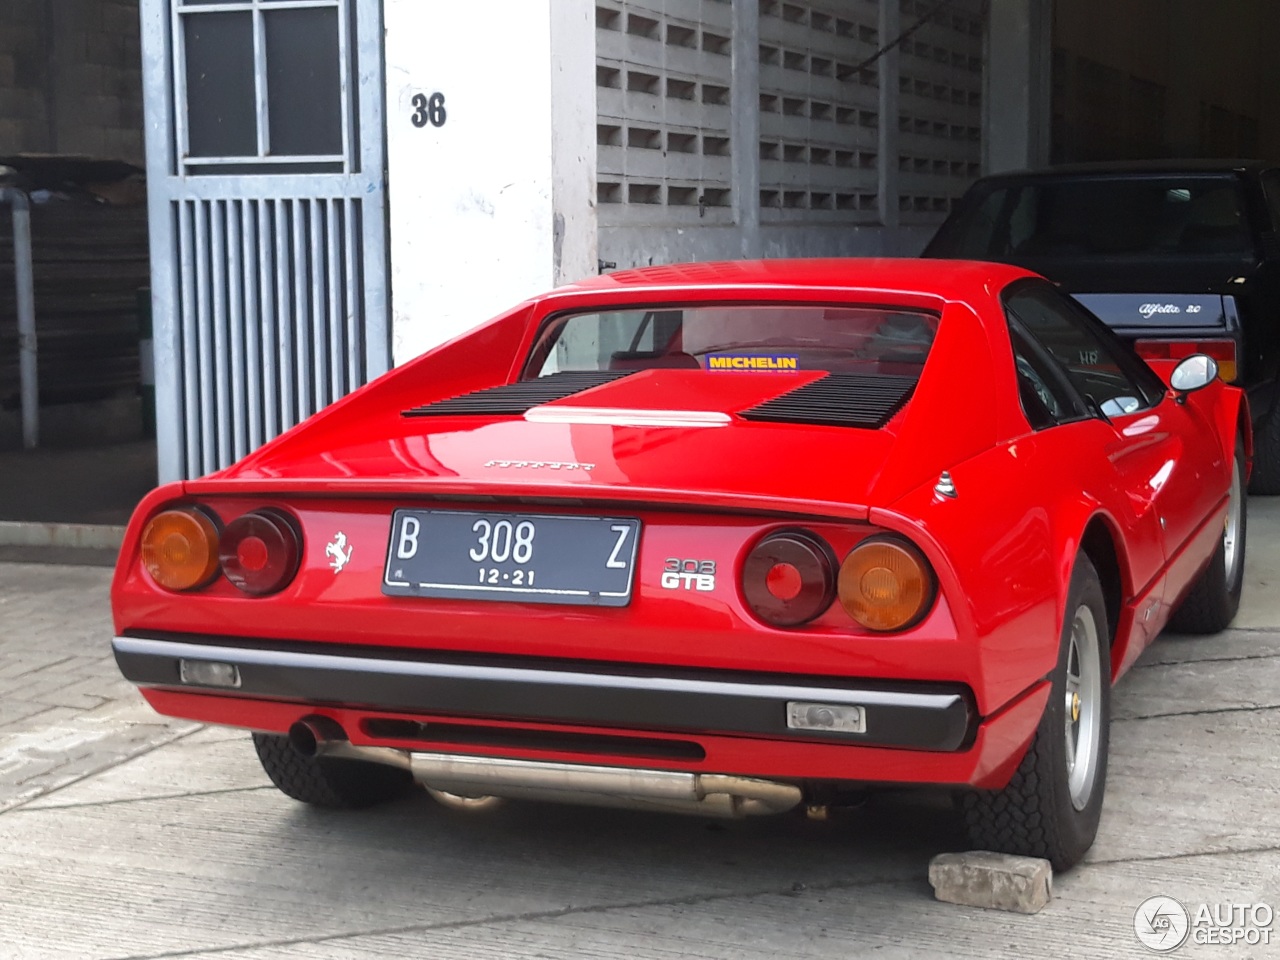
x=338, y=552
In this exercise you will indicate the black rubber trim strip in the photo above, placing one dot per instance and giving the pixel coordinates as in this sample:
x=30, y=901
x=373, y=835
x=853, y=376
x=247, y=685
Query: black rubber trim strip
x=839, y=400
x=920, y=716
x=515, y=398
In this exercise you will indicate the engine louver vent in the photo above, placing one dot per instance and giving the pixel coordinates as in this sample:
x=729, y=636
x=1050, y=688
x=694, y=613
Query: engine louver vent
x=516, y=398
x=838, y=400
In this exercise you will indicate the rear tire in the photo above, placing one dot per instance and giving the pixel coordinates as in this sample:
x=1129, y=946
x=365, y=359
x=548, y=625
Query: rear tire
x=326, y=781
x=1052, y=804
x=1214, y=598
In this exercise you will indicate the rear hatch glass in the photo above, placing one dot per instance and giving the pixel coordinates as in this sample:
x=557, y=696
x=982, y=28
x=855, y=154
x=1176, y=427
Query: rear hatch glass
x=746, y=338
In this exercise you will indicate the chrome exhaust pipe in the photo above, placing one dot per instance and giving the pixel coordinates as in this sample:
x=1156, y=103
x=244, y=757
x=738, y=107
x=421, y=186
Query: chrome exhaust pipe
x=456, y=801
x=471, y=782
x=675, y=791
x=317, y=736
x=310, y=736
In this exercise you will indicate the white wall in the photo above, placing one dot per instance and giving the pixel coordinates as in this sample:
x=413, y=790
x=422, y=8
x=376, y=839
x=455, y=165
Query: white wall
x=496, y=204
x=499, y=203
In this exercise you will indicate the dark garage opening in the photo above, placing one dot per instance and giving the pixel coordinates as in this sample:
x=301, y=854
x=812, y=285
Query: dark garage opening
x=1141, y=79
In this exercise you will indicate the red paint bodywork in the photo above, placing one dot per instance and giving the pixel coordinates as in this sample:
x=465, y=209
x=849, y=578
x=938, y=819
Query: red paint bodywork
x=1002, y=550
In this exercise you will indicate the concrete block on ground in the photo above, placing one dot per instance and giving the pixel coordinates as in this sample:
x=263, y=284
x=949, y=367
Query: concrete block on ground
x=996, y=881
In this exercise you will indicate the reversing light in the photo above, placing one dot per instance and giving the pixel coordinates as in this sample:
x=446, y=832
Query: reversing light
x=830, y=717
x=885, y=584
x=260, y=551
x=789, y=578
x=180, y=549
x=208, y=673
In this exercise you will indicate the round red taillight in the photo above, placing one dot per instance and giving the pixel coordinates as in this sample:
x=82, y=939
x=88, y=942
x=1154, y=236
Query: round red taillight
x=784, y=581
x=789, y=578
x=260, y=551
x=180, y=548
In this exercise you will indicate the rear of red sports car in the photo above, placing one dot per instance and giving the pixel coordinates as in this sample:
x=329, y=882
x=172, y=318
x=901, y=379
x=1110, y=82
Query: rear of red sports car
x=659, y=543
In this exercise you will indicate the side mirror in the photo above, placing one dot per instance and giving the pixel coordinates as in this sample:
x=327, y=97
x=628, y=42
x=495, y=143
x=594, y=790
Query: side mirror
x=1194, y=373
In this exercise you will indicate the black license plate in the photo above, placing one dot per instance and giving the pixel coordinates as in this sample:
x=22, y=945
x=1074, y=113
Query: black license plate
x=534, y=558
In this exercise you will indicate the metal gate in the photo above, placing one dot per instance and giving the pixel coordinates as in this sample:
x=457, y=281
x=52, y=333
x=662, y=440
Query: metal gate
x=265, y=170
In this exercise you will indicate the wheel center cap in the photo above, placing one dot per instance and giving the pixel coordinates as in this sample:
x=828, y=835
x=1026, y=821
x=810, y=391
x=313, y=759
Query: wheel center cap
x=1075, y=708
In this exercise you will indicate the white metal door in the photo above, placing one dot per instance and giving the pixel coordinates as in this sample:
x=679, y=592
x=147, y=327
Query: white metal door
x=266, y=183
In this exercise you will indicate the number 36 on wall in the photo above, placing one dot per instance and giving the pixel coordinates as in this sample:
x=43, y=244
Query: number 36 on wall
x=428, y=109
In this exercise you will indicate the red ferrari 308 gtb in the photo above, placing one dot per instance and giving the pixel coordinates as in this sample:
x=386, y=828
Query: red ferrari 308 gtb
x=723, y=537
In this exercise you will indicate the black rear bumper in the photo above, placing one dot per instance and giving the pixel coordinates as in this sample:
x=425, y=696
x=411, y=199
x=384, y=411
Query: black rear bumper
x=922, y=716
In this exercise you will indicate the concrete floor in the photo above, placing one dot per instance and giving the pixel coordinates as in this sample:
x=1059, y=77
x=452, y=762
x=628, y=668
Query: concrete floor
x=124, y=835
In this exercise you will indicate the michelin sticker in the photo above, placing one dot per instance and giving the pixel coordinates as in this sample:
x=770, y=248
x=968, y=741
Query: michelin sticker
x=754, y=362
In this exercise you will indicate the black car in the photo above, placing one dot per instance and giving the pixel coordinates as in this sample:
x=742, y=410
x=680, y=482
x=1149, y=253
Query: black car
x=1178, y=257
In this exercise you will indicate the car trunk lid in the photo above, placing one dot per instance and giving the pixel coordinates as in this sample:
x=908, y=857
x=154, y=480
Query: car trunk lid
x=742, y=440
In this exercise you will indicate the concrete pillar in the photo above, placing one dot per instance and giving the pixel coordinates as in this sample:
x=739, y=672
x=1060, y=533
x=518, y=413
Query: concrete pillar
x=491, y=156
x=1017, y=105
x=744, y=131
x=890, y=68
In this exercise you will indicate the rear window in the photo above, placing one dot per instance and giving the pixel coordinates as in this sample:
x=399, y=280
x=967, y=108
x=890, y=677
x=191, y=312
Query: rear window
x=1147, y=218
x=738, y=339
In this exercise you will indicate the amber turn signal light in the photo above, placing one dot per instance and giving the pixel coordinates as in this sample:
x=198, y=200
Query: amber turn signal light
x=180, y=549
x=885, y=584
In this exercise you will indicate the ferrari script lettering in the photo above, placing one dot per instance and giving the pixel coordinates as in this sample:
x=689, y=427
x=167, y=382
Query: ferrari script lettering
x=689, y=575
x=541, y=464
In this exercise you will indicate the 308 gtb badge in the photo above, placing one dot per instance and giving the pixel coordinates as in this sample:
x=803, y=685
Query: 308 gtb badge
x=689, y=575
